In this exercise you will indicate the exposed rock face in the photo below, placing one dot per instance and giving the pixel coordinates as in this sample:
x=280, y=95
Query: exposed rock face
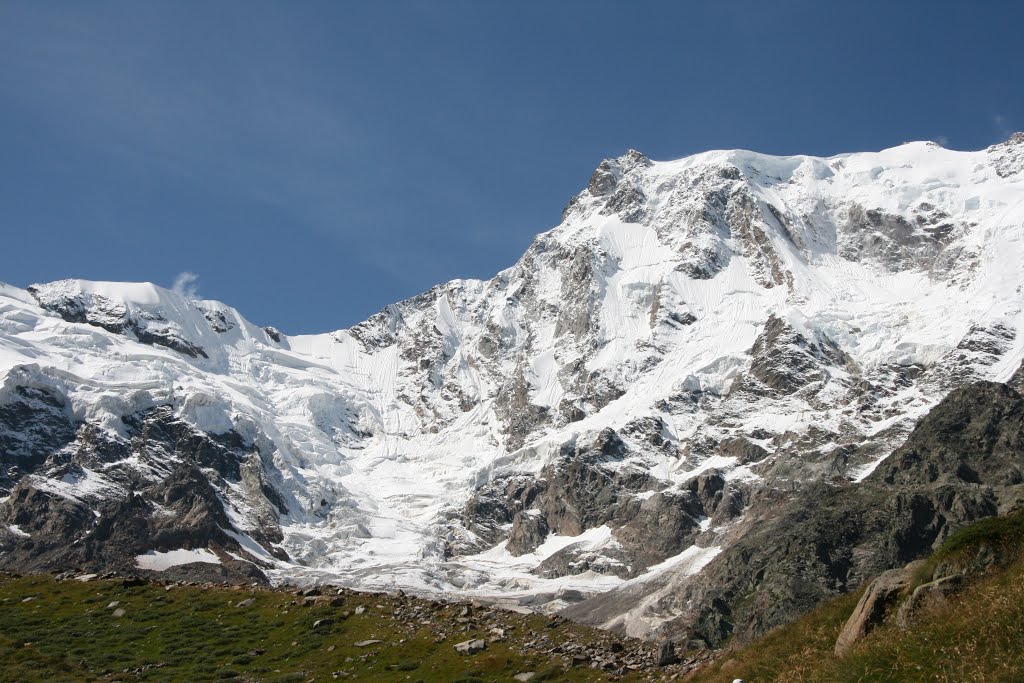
x=974, y=436
x=117, y=317
x=898, y=241
x=616, y=182
x=93, y=502
x=1008, y=157
x=786, y=361
x=31, y=428
x=961, y=463
x=580, y=490
x=594, y=485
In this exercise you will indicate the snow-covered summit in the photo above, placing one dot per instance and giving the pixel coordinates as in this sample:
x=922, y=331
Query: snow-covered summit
x=693, y=332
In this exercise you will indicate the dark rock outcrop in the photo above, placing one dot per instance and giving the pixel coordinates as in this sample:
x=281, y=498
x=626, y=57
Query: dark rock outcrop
x=93, y=500
x=785, y=361
x=896, y=242
x=591, y=485
x=963, y=461
x=1008, y=157
x=31, y=428
x=577, y=492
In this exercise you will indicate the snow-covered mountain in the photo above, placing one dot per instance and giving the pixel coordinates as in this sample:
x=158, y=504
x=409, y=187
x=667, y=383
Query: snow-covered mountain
x=694, y=337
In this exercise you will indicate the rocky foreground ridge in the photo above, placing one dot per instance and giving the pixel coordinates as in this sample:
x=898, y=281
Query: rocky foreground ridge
x=674, y=415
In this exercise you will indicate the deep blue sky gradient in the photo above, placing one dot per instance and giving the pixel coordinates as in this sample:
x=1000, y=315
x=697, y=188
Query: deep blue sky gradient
x=312, y=162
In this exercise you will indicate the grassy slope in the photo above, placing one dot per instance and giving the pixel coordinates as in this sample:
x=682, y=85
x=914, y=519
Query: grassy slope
x=67, y=633
x=977, y=636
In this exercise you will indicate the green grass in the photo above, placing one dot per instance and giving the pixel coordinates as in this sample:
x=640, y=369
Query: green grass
x=977, y=636
x=999, y=532
x=192, y=634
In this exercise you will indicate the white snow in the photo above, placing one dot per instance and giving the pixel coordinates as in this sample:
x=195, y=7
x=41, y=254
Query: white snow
x=160, y=560
x=688, y=562
x=497, y=574
x=16, y=530
x=645, y=615
x=79, y=485
x=591, y=539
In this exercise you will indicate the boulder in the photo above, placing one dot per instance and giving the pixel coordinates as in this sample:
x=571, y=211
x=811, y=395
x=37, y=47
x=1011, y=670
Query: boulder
x=877, y=600
x=667, y=654
x=469, y=647
x=367, y=643
x=930, y=594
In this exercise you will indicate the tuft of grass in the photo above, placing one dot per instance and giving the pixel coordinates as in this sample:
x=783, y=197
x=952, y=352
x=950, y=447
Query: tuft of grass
x=407, y=665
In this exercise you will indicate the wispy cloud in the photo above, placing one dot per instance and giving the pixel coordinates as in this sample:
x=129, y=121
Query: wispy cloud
x=186, y=285
x=1003, y=126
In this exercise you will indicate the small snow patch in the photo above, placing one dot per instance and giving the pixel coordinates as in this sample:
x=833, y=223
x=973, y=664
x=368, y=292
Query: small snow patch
x=158, y=561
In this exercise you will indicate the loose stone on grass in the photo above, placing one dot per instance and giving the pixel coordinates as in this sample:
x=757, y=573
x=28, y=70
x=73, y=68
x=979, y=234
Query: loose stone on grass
x=471, y=646
x=367, y=643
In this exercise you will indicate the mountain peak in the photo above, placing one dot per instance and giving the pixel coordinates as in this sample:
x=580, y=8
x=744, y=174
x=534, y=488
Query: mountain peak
x=695, y=339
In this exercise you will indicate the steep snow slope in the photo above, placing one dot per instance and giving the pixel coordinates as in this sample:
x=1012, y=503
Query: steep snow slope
x=693, y=334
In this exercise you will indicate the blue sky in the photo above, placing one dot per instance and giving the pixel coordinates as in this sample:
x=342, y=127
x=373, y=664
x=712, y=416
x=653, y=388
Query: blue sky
x=312, y=162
